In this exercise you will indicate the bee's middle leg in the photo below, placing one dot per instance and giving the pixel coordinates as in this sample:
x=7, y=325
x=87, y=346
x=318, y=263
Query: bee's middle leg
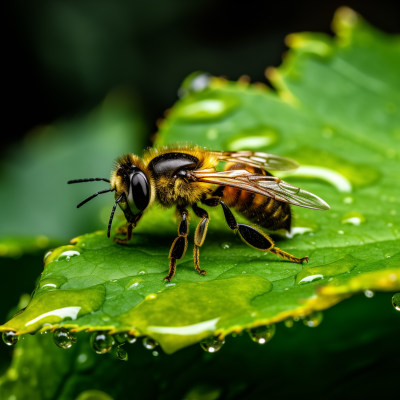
x=200, y=236
x=180, y=244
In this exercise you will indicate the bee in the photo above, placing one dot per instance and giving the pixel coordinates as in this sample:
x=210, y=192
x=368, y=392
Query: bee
x=184, y=177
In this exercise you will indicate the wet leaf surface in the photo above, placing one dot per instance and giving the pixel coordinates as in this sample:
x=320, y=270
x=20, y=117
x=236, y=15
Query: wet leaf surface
x=337, y=114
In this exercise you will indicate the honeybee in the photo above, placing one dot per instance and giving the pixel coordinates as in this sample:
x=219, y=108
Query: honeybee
x=185, y=176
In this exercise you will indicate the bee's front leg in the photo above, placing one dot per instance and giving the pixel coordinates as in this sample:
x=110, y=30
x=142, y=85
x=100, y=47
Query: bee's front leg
x=127, y=229
x=180, y=244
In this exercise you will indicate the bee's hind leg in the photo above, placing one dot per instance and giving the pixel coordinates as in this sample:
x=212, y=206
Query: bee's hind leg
x=257, y=239
x=180, y=244
x=199, y=236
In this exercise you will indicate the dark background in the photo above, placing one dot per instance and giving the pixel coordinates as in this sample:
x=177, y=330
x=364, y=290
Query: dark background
x=63, y=57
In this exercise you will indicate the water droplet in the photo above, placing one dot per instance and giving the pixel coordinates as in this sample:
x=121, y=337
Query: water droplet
x=155, y=353
x=82, y=358
x=297, y=230
x=68, y=254
x=369, y=293
x=340, y=232
x=142, y=272
x=121, y=353
x=47, y=255
x=10, y=338
x=149, y=343
x=289, y=323
x=313, y=320
x=253, y=139
x=212, y=344
x=212, y=107
x=101, y=342
x=63, y=338
x=262, y=334
x=195, y=82
x=353, y=218
x=311, y=274
x=395, y=301
x=225, y=245
x=151, y=296
x=131, y=338
x=52, y=283
x=348, y=200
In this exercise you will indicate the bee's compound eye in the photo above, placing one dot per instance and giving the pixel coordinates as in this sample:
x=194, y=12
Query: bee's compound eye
x=140, y=190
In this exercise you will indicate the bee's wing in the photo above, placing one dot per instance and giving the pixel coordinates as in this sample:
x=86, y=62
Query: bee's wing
x=269, y=186
x=258, y=160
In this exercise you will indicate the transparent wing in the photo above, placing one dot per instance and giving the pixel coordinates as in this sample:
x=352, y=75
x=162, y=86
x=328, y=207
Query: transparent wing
x=269, y=186
x=258, y=160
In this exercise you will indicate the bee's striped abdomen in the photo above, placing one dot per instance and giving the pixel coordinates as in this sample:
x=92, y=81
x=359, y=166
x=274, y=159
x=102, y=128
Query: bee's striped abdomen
x=263, y=211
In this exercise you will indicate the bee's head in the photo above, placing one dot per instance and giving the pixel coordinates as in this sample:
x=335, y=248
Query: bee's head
x=132, y=186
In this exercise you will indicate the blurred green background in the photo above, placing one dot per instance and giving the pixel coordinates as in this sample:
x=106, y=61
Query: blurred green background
x=87, y=80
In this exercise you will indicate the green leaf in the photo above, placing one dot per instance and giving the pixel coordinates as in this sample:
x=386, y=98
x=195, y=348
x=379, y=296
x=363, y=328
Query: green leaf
x=336, y=112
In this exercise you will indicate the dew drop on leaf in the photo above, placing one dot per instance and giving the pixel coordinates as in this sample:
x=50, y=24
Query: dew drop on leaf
x=395, y=301
x=212, y=344
x=262, y=334
x=149, y=343
x=353, y=218
x=63, y=338
x=101, y=342
x=225, y=245
x=130, y=338
x=10, y=338
x=121, y=354
x=369, y=293
x=288, y=322
x=313, y=320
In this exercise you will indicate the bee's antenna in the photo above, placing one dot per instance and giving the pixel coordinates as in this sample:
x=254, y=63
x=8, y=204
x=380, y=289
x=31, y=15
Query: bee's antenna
x=112, y=214
x=93, y=196
x=88, y=180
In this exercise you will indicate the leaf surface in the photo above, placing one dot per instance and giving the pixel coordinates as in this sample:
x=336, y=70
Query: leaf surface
x=336, y=112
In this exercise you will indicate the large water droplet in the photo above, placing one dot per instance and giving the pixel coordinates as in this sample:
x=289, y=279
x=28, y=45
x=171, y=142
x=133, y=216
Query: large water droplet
x=396, y=301
x=10, y=338
x=353, y=218
x=313, y=320
x=68, y=254
x=298, y=230
x=225, y=245
x=149, y=343
x=262, y=334
x=212, y=344
x=212, y=107
x=63, y=338
x=253, y=139
x=101, y=342
x=195, y=82
x=52, y=283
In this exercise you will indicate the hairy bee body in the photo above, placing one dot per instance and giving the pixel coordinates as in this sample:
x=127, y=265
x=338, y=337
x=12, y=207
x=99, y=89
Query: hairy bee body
x=182, y=177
